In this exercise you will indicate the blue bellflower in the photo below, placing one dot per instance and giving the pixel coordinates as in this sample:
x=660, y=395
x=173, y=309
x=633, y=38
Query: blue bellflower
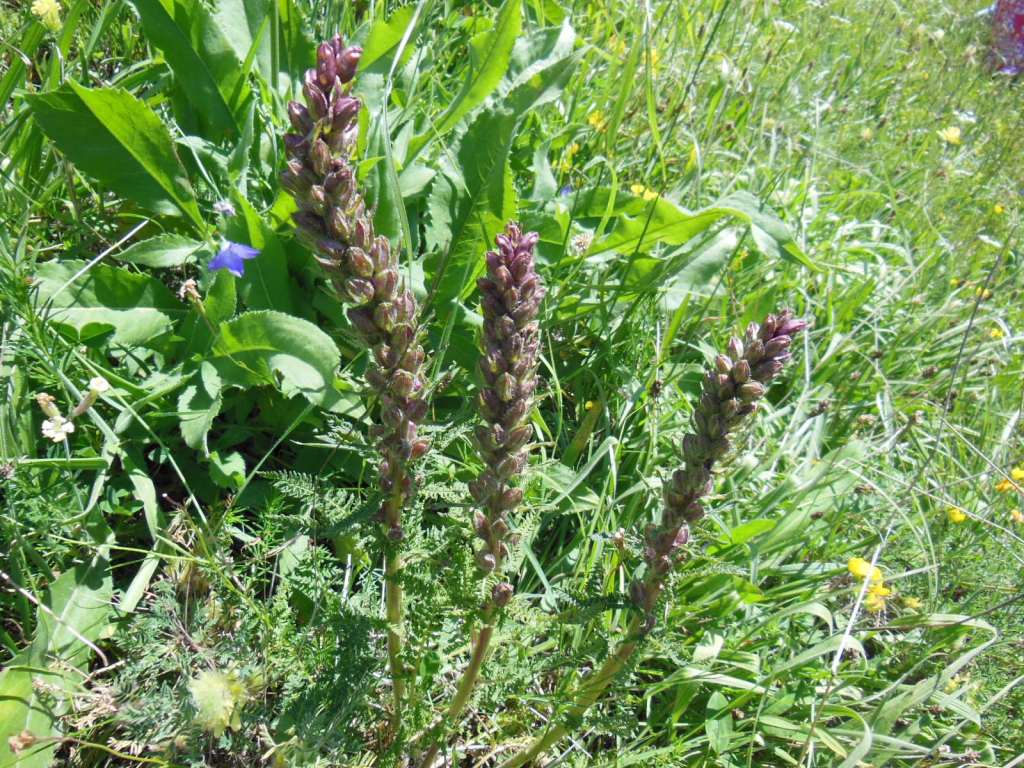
x=232, y=257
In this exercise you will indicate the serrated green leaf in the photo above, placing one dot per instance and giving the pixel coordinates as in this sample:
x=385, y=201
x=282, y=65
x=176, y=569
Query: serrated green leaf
x=272, y=348
x=490, y=53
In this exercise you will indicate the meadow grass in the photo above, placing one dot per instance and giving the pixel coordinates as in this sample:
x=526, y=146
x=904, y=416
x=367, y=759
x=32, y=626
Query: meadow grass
x=903, y=408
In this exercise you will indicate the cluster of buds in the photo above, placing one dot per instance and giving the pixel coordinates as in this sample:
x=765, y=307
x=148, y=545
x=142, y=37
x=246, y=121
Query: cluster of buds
x=729, y=393
x=333, y=221
x=510, y=296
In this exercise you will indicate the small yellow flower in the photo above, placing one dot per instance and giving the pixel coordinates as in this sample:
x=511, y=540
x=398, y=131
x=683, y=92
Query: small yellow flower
x=655, y=59
x=955, y=282
x=879, y=590
x=48, y=12
x=570, y=152
x=597, y=121
x=912, y=603
x=1017, y=516
x=646, y=193
x=983, y=293
x=875, y=603
x=589, y=405
x=956, y=515
x=998, y=209
x=996, y=333
x=1004, y=486
x=951, y=135
x=1017, y=473
x=862, y=569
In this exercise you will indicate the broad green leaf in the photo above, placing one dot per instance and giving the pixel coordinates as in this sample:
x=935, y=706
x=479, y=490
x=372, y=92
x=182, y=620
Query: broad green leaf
x=121, y=142
x=227, y=471
x=473, y=196
x=384, y=37
x=198, y=405
x=160, y=23
x=137, y=308
x=265, y=284
x=718, y=723
x=490, y=53
x=640, y=224
x=77, y=604
x=271, y=348
x=168, y=250
x=741, y=534
x=233, y=37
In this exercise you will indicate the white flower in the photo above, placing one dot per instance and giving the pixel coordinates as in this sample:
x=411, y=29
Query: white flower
x=57, y=428
x=98, y=385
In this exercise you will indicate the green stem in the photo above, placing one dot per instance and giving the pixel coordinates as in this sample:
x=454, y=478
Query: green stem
x=590, y=691
x=393, y=605
x=465, y=688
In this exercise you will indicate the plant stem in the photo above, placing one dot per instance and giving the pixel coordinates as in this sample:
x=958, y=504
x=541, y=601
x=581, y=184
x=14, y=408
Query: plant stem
x=589, y=692
x=393, y=606
x=465, y=688
x=393, y=603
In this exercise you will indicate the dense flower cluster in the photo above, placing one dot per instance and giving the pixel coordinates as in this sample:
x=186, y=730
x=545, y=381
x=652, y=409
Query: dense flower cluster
x=334, y=222
x=510, y=295
x=729, y=394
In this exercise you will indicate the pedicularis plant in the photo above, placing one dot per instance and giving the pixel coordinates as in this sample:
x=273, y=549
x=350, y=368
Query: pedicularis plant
x=344, y=395
x=334, y=222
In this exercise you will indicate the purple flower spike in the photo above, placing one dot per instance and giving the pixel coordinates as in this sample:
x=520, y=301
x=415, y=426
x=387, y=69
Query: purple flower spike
x=232, y=257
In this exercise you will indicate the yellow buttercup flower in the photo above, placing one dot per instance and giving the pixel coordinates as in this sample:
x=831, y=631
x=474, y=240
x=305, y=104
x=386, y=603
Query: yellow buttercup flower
x=862, y=569
x=998, y=209
x=996, y=333
x=1005, y=486
x=956, y=515
x=1017, y=473
x=48, y=12
x=645, y=192
x=951, y=135
x=597, y=121
x=879, y=590
x=875, y=603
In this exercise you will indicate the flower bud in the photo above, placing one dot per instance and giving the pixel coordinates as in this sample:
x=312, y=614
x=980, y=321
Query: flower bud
x=486, y=561
x=359, y=291
x=501, y=594
x=750, y=391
